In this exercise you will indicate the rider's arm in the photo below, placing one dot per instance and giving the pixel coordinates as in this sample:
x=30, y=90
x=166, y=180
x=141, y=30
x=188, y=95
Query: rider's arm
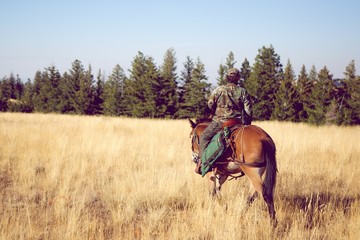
x=212, y=101
x=247, y=104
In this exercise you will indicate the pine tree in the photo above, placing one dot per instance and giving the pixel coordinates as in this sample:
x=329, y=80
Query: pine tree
x=42, y=88
x=152, y=79
x=222, y=73
x=98, y=102
x=45, y=93
x=230, y=63
x=321, y=97
x=78, y=91
x=167, y=97
x=313, y=75
x=349, y=97
x=264, y=82
x=286, y=98
x=85, y=95
x=71, y=89
x=312, y=100
x=113, y=92
x=7, y=88
x=355, y=101
x=245, y=72
x=185, y=107
x=46, y=90
x=200, y=90
x=27, y=97
x=53, y=89
x=3, y=104
x=304, y=87
x=12, y=86
x=18, y=88
x=328, y=94
x=37, y=99
x=140, y=94
x=5, y=93
x=11, y=91
x=67, y=98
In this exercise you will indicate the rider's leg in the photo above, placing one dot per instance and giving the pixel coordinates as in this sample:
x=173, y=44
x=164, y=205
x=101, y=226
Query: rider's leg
x=205, y=138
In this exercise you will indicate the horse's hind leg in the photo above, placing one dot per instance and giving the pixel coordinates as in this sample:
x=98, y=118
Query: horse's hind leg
x=254, y=175
x=256, y=186
x=270, y=203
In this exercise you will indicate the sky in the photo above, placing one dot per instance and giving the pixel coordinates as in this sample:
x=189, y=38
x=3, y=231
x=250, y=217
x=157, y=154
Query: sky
x=38, y=34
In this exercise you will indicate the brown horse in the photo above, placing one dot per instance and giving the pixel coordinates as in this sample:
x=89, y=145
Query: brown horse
x=252, y=153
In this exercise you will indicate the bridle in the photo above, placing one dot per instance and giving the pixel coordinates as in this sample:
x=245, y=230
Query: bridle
x=195, y=140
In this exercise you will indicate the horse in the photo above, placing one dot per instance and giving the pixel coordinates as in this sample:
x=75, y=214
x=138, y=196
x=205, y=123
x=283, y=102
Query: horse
x=251, y=152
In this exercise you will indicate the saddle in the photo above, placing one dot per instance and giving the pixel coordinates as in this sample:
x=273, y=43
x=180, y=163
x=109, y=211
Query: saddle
x=232, y=123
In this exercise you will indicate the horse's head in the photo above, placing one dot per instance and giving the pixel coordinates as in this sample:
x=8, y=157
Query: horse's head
x=196, y=130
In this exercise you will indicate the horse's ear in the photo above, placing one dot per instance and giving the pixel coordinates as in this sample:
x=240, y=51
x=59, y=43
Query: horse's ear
x=193, y=125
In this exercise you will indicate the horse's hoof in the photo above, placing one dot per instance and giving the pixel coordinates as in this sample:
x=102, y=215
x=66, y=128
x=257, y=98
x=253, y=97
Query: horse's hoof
x=274, y=223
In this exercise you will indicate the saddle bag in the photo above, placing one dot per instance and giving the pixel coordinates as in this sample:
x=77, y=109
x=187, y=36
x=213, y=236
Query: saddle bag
x=214, y=150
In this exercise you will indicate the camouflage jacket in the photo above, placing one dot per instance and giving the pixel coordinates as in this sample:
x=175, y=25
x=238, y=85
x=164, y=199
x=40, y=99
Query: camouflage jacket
x=228, y=102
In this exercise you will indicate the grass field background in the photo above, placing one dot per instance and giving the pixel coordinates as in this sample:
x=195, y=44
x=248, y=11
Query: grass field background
x=81, y=177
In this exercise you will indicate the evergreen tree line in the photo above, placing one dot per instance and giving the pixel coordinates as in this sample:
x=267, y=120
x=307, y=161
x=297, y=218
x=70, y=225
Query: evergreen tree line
x=152, y=91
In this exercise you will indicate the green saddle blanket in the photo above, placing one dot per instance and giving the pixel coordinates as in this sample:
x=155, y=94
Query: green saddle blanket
x=214, y=150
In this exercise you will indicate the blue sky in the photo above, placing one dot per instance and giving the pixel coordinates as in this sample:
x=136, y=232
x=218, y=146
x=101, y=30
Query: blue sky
x=37, y=34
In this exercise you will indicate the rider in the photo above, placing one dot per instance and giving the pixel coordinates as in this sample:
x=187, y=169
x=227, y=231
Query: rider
x=226, y=102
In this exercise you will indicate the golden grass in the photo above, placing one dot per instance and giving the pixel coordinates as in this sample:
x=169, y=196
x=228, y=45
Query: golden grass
x=80, y=177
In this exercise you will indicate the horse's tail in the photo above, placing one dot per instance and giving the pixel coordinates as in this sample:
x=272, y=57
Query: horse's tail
x=271, y=168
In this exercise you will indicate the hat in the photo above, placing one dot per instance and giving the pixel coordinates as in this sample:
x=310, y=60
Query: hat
x=233, y=75
x=233, y=71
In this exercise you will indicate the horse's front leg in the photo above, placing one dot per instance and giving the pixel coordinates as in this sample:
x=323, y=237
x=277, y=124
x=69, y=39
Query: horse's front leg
x=216, y=180
x=253, y=195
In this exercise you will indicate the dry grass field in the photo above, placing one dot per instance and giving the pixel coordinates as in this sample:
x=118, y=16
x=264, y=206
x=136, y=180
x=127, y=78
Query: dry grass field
x=80, y=177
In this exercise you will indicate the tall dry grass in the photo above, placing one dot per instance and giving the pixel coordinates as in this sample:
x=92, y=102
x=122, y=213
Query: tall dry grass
x=79, y=177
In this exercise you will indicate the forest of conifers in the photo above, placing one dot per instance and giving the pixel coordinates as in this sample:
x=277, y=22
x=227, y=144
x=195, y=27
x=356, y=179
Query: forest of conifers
x=152, y=91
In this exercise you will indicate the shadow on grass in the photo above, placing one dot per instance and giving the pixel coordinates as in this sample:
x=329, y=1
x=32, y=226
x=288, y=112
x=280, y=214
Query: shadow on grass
x=316, y=208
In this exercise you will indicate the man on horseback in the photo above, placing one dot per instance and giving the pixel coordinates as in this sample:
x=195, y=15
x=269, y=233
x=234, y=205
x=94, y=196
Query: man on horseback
x=226, y=103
